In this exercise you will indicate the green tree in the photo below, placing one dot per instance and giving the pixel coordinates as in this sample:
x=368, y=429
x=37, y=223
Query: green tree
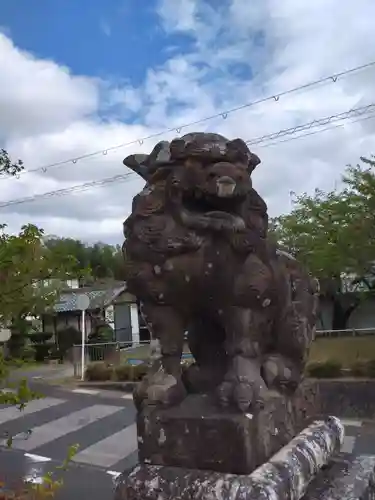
x=333, y=234
x=25, y=264
x=7, y=166
x=102, y=261
x=29, y=273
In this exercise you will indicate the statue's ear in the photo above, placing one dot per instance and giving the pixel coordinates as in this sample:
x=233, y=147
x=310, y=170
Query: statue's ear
x=146, y=165
x=253, y=161
x=240, y=146
x=138, y=163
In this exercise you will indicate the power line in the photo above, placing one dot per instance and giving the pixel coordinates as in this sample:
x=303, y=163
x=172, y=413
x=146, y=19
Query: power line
x=62, y=192
x=281, y=133
x=315, y=123
x=223, y=114
x=327, y=129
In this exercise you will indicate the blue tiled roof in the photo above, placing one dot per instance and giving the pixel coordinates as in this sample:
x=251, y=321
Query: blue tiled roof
x=98, y=298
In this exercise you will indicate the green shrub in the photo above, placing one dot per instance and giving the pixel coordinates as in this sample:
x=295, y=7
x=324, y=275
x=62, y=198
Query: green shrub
x=40, y=337
x=56, y=354
x=359, y=368
x=41, y=352
x=28, y=354
x=41, y=347
x=130, y=373
x=15, y=363
x=370, y=368
x=65, y=339
x=99, y=371
x=325, y=369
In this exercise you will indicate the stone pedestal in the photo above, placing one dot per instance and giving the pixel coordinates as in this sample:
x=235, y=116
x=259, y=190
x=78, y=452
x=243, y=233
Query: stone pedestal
x=198, y=435
x=287, y=475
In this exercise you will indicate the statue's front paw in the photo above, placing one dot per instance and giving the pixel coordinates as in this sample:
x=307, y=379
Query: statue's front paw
x=281, y=373
x=243, y=385
x=159, y=388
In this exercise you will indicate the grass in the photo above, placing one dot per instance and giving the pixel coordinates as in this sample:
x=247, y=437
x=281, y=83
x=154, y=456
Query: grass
x=141, y=352
x=346, y=350
x=23, y=365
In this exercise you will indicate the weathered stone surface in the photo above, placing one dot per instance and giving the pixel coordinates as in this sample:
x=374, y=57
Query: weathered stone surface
x=198, y=259
x=349, y=398
x=347, y=478
x=285, y=476
x=196, y=434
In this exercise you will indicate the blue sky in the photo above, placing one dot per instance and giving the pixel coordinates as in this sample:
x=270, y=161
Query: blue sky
x=112, y=38
x=79, y=76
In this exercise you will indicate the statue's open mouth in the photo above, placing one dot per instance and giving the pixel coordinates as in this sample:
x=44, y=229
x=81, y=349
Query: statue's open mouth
x=205, y=210
x=204, y=203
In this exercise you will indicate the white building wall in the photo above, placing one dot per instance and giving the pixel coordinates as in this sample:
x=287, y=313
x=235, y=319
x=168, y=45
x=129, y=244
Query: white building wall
x=134, y=321
x=363, y=316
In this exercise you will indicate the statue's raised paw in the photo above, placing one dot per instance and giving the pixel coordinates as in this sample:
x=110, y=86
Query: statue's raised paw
x=243, y=385
x=159, y=389
x=281, y=373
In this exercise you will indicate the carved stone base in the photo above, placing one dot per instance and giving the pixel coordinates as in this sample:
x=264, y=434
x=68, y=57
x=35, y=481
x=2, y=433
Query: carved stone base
x=198, y=435
x=287, y=474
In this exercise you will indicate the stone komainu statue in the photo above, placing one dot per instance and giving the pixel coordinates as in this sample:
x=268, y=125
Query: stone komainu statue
x=198, y=259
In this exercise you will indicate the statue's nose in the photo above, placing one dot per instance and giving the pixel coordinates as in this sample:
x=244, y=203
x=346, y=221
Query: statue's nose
x=226, y=180
x=225, y=186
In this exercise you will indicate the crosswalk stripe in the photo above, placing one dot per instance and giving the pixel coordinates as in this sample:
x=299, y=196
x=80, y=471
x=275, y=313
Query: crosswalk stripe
x=55, y=429
x=13, y=413
x=110, y=450
x=86, y=391
x=128, y=395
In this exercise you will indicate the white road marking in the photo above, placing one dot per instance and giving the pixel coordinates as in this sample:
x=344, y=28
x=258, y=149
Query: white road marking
x=86, y=391
x=127, y=396
x=37, y=458
x=113, y=473
x=13, y=413
x=60, y=427
x=110, y=450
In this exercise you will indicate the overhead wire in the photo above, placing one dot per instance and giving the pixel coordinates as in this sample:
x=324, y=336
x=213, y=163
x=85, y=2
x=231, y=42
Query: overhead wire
x=275, y=135
x=223, y=114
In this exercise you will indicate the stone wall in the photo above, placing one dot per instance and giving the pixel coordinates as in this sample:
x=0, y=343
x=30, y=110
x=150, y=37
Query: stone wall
x=348, y=398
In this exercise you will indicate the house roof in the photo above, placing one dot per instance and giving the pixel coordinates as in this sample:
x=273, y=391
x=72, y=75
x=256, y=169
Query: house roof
x=100, y=296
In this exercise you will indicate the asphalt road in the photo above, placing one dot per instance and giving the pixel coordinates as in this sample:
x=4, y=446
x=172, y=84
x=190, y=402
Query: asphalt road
x=102, y=424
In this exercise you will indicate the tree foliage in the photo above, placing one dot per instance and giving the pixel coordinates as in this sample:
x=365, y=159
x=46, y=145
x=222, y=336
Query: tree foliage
x=26, y=265
x=103, y=260
x=7, y=166
x=334, y=233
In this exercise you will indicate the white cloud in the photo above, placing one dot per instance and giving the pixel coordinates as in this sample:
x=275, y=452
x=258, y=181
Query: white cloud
x=38, y=96
x=105, y=27
x=48, y=114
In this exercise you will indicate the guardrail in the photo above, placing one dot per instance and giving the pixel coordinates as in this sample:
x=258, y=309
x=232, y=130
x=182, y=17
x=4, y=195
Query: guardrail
x=117, y=352
x=111, y=352
x=354, y=332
